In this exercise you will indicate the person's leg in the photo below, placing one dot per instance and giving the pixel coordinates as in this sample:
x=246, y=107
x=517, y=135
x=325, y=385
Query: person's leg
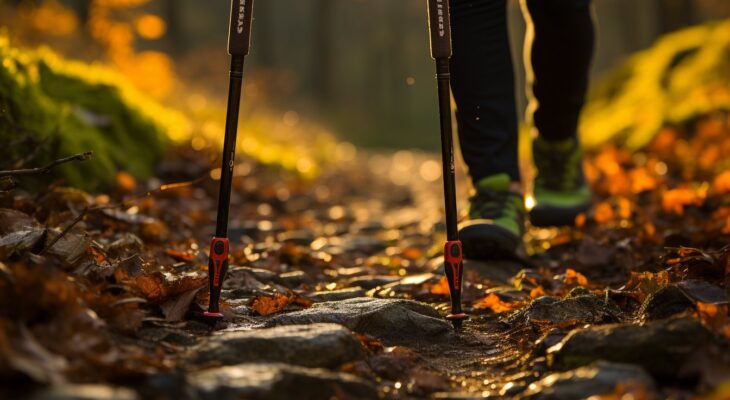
x=558, y=53
x=483, y=87
x=559, y=50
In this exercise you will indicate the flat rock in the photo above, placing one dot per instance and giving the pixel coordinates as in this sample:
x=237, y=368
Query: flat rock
x=391, y=320
x=278, y=381
x=583, y=309
x=596, y=379
x=679, y=297
x=86, y=392
x=661, y=347
x=337, y=295
x=295, y=279
x=315, y=345
x=372, y=281
x=667, y=301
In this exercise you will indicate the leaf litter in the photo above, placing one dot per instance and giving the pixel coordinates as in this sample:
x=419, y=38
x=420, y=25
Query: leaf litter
x=116, y=298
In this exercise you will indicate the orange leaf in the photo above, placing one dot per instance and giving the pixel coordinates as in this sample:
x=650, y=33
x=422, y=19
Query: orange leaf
x=603, y=213
x=537, y=292
x=714, y=315
x=267, y=305
x=125, y=181
x=442, y=287
x=675, y=200
x=494, y=303
x=721, y=184
x=180, y=255
x=574, y=277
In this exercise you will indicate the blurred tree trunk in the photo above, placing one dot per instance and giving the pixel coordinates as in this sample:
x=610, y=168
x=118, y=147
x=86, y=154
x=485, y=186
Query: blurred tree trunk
x=675, y=14
x=323, y=50
x=172, y=14
x=264, y=32
x=396, y=62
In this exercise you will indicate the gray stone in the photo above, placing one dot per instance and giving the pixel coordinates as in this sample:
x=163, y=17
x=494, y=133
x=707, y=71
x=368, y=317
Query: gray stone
x=295, y=279
x=667, y=301
x=394, y=321
x=596, y=379
x=661, y=347
x=372, y=281
x=588, y=309
x=278, y=381
x=337, y=295
x=86, y=392
x=300, y=238
x=362, y=244
x=315, y=345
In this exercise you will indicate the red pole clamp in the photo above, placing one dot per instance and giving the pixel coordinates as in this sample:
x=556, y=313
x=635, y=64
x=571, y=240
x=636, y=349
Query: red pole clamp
x=219, y=255
x=453, y=256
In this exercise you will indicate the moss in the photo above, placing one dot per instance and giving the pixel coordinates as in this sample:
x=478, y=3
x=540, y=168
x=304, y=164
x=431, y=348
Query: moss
x=51, y=107
x=683, y=76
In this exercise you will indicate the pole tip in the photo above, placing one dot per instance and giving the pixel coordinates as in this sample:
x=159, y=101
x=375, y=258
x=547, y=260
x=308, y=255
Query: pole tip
x=457, y=320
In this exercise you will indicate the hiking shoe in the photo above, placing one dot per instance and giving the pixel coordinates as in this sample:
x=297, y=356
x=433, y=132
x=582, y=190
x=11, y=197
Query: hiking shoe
x=496, y=220
x=560, y=190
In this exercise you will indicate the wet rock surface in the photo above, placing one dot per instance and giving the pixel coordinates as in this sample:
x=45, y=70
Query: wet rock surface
x=658, y=346
x=337, y=295
x=277, y=381
x=582, y=309
x=314, y=345
x=86, y=392
x=601, y=378
x=393, y=321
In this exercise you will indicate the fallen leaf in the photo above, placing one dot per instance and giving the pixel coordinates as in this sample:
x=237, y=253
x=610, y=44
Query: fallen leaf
x=19, y=232
x=573, y=277
x=180, y=255
x=713, y=315
x=675, y=200
x=493, y=302
x=175, y=309
x=441, y=287
x=267, y=305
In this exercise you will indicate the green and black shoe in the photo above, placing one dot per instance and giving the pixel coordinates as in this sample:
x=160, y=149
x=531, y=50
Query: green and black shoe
x=496, y=220
x=560, y=190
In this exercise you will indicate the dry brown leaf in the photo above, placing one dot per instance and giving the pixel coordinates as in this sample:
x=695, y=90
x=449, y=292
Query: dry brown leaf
x=180, y=255
x=267, y=305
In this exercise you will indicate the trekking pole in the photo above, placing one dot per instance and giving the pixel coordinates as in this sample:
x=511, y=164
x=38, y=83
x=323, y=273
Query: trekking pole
x=239, y=44
x=440, y=27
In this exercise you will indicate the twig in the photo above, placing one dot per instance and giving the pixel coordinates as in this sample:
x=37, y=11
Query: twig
x=31, y=171
x=162, y=188
x=65, y=231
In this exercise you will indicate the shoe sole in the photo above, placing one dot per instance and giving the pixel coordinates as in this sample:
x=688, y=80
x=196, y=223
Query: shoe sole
x=488, y=242
x=545, y=216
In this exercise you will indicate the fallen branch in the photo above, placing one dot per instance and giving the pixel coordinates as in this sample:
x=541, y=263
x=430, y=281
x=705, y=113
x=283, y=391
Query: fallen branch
x=42, y=170
x=65, y=231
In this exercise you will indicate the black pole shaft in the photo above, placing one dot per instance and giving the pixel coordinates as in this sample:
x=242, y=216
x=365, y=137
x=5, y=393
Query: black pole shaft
x=447, y=147
x=229, y=145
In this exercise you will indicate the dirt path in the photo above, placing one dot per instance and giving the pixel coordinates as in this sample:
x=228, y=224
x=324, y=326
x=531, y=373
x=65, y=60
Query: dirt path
x=335, y=287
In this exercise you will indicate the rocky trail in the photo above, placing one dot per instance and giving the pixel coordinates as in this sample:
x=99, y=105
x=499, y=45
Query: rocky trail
x=335, y=289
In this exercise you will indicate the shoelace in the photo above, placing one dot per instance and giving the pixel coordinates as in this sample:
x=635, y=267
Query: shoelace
x=489, y=204
x=558, y=170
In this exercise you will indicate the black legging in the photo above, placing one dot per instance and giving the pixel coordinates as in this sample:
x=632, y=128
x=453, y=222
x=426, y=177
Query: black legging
x=483, y=82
